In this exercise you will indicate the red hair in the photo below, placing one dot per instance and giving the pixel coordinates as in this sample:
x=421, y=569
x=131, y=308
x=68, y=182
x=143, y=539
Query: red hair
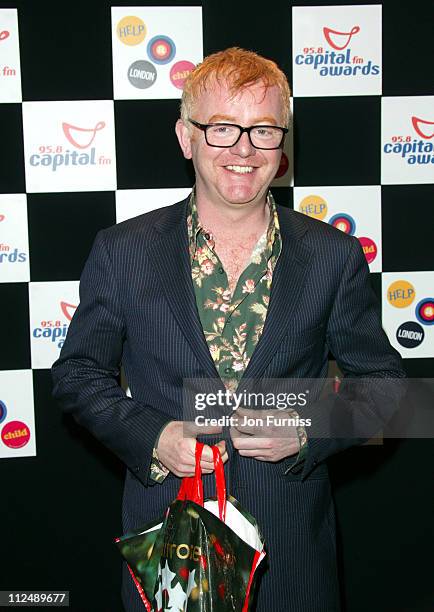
x=239, y=69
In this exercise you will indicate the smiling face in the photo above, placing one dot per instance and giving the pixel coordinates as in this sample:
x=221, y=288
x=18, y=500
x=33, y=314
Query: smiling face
x=238, y=176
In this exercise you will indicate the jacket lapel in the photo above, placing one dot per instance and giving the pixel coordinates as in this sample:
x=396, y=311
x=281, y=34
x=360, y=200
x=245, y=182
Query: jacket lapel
x=288, y=278
x=170, y=256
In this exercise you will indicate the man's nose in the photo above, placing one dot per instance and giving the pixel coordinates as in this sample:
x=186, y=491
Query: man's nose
x=243, y=147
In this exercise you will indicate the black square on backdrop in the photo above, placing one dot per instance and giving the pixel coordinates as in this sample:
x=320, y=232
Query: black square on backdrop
x=15, y=331
x=62, y=228
x=65, y=452
x=269, y=36
x=408, y=48
x=147, y=150
x=407, y=222
x=337, y=141
x=283, y=196
x=12, y=160
x=375, y=278
x=65, y=50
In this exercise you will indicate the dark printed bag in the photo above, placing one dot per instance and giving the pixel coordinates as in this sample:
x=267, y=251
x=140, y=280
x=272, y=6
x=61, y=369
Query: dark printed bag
x=202, y=556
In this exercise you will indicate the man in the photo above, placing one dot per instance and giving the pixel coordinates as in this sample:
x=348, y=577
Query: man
x=229, y=286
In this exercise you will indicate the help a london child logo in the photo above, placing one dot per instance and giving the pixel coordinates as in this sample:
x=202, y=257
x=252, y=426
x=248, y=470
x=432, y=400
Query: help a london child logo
x=418, y=308
x=17, y=418
x=338, y=45
x=15, y=434
x=365, y=213
x=154, y=61
x=160, y=50
x=69, y=146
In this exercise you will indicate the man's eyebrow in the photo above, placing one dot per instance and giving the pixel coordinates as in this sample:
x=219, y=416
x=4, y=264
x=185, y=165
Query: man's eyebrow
x=264, y=120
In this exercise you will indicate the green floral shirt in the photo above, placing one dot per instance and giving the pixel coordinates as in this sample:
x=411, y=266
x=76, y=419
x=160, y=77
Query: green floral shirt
x=232, y=324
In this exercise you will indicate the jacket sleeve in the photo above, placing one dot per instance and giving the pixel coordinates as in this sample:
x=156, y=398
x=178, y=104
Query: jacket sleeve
x=373, y=387
x=86, y=375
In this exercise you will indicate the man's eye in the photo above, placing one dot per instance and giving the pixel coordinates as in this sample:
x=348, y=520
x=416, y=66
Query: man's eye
x=222, y=130
x=263, y=132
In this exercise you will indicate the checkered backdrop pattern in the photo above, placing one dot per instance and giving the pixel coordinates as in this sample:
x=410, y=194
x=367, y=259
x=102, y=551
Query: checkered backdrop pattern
x=89, y=95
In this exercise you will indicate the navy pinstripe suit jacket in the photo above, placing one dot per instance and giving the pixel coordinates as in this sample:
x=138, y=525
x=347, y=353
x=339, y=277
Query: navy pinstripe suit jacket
x=137, y=307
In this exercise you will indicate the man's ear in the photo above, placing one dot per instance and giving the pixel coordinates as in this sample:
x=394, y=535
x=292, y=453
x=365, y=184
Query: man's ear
x=184, y=138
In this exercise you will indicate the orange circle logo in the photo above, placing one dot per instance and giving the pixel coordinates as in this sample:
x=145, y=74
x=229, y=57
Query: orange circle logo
x=131, y=30
x=313, y=206
x=401, y=294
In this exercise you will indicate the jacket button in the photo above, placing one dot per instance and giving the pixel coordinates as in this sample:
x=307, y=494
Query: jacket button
x=137, y=468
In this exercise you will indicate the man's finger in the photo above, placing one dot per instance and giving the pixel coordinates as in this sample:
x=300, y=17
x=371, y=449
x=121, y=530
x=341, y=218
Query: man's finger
x=221, y=446
x=207, y=455
x=191, y=429
x=252, y=443
x=243, y=414
x=223, y=452
x=256, y=454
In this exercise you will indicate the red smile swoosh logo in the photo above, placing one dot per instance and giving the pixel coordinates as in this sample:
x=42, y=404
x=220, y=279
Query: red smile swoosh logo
x=68, y=309
x=418, y=122
x=72, y=131
x=4, y=35
x=342, y=38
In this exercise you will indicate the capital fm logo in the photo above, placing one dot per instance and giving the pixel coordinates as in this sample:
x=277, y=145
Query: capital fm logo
x=415, y=146
x=6, y=71
x=9, y=253
x=334, y=57
x=421, y=127
x=339, y=40
x=160, y=51
x=55, y=330
x=59, y=155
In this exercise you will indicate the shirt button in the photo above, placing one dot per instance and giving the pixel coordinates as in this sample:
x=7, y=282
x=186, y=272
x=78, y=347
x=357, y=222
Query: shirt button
x=221, y=270
x=228, y=370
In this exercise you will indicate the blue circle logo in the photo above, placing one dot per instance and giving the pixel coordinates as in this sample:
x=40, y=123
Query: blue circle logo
x=425, y=311
x=3, y=411
x=161, y=49
x=343, y=222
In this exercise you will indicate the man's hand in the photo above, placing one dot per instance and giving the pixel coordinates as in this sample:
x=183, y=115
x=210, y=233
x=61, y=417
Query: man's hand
x=269, y=439
x=177, y=448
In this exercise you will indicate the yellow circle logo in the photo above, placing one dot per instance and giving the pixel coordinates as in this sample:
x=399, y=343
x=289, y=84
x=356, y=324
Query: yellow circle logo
x=313, y=206
x=131, y=30
x=401, y=294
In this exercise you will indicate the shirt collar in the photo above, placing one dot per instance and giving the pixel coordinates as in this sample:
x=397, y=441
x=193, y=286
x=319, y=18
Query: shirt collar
x=194, y=226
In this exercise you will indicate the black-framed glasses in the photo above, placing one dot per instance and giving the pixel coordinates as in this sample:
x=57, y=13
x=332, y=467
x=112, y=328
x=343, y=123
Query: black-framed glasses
x=226, y=135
